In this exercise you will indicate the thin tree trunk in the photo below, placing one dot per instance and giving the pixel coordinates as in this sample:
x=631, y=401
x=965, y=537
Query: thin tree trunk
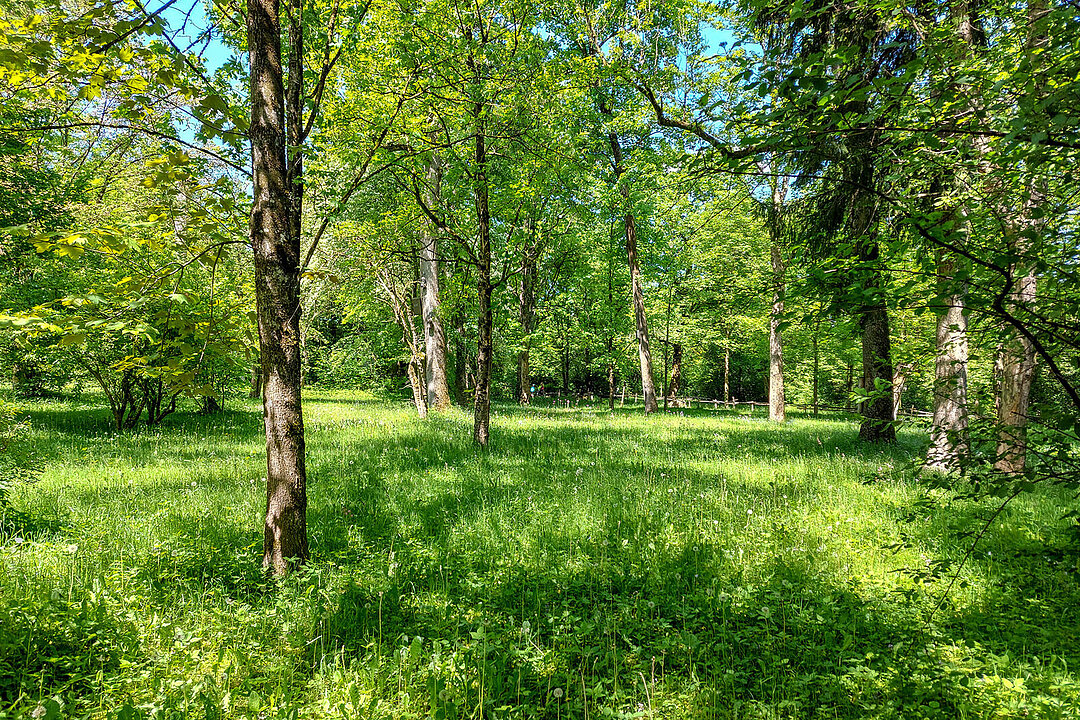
x=949, y=428
x=899, y=383
x=611, y=374
x=566, y=358
x=817, y=363
x=877, y=409
x=777, y=404
x=482, y=399
x=611, y=329
x=526, y=310
x=776, y=394
x=850, y=386
x=727, y=376
x=406, y=305
x=410, y=314
x=948, y=431
x=648, y=387
x=461, y=357
x=1016, y=373
x=1017, y=354
x=675, y=383
x=438, y=390
x=277, y=292
x=255, y=390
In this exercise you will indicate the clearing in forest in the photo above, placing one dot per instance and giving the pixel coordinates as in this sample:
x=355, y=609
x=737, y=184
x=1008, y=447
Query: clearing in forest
x=699, y=564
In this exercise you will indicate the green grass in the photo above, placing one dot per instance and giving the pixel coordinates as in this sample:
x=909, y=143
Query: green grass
x=697, y=565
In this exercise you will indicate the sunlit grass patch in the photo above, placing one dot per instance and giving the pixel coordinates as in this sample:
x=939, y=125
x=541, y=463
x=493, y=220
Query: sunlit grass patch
x=703, y=564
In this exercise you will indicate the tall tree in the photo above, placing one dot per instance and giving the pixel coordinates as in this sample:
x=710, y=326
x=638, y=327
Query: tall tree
x=276, y=245
x=1016, y=356
x=637, y=293
x=435, y=373
x=530, y=250
x=774, y=223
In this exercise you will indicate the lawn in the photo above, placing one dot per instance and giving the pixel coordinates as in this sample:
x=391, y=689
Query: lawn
x=695, y=565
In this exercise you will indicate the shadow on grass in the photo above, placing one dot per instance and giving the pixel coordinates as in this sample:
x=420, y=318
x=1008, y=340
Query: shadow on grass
x=524, y=576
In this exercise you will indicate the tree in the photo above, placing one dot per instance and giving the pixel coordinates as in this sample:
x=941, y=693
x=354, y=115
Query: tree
x=275, y=243
x=438, y=390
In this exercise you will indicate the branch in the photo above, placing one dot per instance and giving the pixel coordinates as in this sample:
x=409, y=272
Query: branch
x=132, y=128
x=694, y=128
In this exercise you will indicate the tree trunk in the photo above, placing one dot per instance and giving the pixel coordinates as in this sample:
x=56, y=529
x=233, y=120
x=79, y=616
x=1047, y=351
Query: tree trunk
x=648, y=387
x=899, y=383
x=877, y=377
x=255, y=389
x=526, y=310
x=461, y=357
x=611, y=375
x=566, y=358
x=727, y=376
x=407, y=307
x=675, y=383
x=611, y=328
x=1016, y=363
x=948, y=431
x=438, y=389
x=777, y=404
x=482, y=399
x=1015, y=366
x=816, y=372
x=1016, y=359
x=877, y=410
x=949, y=428
x=277, y=292
x=850, y=386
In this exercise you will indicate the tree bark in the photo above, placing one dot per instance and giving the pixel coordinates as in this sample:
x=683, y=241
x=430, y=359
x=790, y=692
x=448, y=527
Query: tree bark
x=817, y=363
x=405, y=303
x=877, y=410
x=949, y=428
x=611, y=328
x=482, y=399
x=648, y=386
x=277, y=292
x=675, y=382
x=1016, y=359
x=461, y=357
x=850, y=386
x=777, y=404
x=255, y=390
x=611, y=374
x=1016, y=363
x=435, y=381
x=948, y=431
x=526, y=310
x=566, y=358
x=727, y=374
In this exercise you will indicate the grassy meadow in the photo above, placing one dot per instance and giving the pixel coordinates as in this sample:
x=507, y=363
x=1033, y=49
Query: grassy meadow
x=696, y=565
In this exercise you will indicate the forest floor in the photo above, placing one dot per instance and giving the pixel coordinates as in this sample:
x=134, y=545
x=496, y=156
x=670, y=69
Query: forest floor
x=588, y=565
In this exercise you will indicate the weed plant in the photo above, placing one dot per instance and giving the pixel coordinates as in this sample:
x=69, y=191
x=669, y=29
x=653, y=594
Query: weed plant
x=699, y=564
